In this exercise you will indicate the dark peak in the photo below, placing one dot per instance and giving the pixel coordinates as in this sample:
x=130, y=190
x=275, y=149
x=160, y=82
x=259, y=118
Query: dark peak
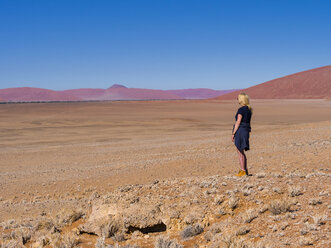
x=116, y=86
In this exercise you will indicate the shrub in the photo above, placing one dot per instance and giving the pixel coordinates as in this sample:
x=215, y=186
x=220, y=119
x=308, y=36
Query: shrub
x=319, y=219
x=109, y=229
x=47, y=225
x=295, y=191
x=250, y=215
x=260, y=175
x=311, y=227
x=263, y=209
x=42, y=240
x=216, y=228
x=259, y=244
x=101, y=243
x=166, y=242
x=233, y=202
x=260, y=188
x=242, y=231
x=231, y=241
x=315, y=201
x=277, y=190
x=279, y=206
x=68, y=240
x=304, y=241
x=246, y=191
x=68, y=217
x=119, y=237
x=11, y=244
x=218, y=200
x=191, y=231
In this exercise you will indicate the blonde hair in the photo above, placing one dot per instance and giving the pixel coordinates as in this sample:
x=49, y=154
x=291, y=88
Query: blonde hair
x=243, y=99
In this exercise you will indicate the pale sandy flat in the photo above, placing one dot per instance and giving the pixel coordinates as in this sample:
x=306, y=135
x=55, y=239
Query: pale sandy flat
x=53, y=154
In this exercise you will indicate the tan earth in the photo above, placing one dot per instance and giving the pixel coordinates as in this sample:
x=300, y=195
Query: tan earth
x=147, y=170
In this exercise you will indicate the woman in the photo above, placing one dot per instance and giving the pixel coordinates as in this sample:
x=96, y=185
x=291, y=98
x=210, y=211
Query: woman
x=240, y=133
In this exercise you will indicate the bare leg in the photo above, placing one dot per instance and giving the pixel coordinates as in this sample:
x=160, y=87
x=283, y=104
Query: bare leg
x=242, y=160
x=245, y=162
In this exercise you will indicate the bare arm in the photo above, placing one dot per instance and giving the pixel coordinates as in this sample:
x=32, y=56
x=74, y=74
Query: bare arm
x=236, y=125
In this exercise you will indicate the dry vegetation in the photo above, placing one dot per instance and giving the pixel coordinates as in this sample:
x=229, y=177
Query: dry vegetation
x=178, y=213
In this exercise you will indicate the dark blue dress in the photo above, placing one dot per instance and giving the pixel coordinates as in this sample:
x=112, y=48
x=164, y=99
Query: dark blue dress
x=241, y=137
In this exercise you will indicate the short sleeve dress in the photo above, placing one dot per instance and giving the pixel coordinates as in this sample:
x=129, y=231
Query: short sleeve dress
x=241, y=137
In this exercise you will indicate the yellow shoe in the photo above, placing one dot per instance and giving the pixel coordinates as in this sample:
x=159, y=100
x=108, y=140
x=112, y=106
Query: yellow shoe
x=241, y=173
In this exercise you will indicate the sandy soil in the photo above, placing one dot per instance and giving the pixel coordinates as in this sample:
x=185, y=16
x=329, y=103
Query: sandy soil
x=54, y=155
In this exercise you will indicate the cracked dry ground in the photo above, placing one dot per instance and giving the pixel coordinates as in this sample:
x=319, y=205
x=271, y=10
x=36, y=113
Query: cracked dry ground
x=131, y=172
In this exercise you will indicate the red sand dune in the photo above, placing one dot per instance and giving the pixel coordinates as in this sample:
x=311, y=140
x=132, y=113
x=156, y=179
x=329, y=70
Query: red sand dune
x=91, y=94
x=311, y=84
x=28, y=94
x=200, y=93
x=120, y=92
x=115, y=92
x=85, y=94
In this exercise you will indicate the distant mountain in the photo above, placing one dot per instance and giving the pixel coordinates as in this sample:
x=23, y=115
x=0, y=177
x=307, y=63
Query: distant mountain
x=311, y=84
x=120, y=92
x=85, y=93
x=123, y=93
x=116, y=86
x=200, y=93
x=28, y=94
x=115, y=92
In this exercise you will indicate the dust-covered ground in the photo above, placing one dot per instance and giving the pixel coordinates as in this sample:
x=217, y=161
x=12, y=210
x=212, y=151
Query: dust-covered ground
x=71, y=173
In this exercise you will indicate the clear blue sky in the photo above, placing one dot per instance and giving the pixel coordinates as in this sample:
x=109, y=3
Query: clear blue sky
x=160, y=44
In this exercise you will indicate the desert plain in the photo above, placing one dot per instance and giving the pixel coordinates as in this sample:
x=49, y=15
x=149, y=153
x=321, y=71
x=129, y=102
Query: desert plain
x=161, y=174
